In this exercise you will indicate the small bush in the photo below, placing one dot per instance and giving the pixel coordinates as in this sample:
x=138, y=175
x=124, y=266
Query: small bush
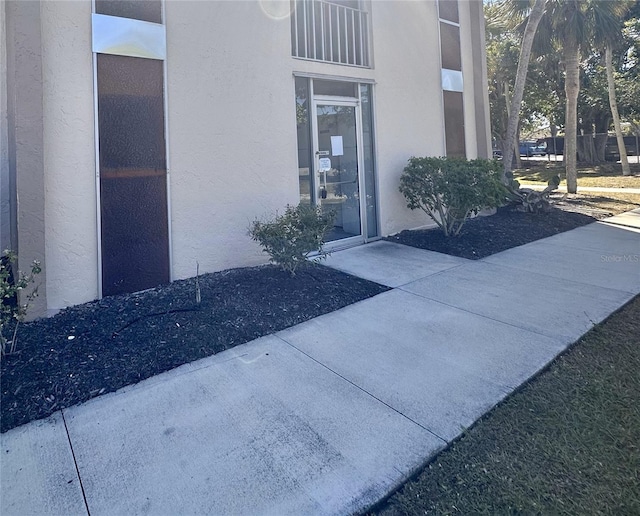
x=12, y=313
x=289, y=238
x=451, y=190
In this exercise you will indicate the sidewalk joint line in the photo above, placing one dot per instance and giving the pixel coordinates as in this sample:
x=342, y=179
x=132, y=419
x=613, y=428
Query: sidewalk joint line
x=557, y=278
x=436, y=273
x=530, y=330
x=616, y=224
x=362, y=389
x=75, y=463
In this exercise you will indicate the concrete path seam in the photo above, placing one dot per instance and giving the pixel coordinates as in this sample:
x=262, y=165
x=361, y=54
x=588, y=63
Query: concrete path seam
x=75, y=463
x=555, y=278
x=618, y=224
x=574, y=246
x=437, y=273
x=481, y=315
x=362, y=389
x=453, y=267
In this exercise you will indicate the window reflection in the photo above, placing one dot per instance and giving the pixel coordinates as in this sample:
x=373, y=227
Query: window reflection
x=133, y=182
x=145, y=10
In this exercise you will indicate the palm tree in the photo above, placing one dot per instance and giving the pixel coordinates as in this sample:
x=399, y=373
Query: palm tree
x=509, y=148
x=609, y=41
x=575, y=25
x=626, y=171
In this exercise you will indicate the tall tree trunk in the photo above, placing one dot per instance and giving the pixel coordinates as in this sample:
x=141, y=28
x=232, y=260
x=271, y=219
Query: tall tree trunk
x=507, y=105
x=626, y=171
x=571, y=88
x=521, y=75
x=517, y=158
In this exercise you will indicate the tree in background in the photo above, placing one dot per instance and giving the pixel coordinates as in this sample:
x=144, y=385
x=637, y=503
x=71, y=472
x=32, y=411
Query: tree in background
x=514, y=105
x=501, y=59
x=626, y=171
x=627, y=75
x=594, y=112
x=575, y=25
x=503, y=49
x=569, y=35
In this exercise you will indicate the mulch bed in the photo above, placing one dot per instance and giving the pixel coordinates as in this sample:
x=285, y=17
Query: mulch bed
x=99, y=347
x=484, y=236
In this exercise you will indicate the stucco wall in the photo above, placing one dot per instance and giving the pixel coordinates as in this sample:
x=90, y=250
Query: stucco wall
x=69, y=149
x=25, y=133
x=408, y=100
x=481, y=80
x=5, y=218
x=231, y=128
x=467, y=73
x=232, y=134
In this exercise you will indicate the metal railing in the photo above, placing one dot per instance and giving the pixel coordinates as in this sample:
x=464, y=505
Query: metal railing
x=327, y=31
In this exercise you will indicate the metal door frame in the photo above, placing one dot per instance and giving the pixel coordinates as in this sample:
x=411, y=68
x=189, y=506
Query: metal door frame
x=325, y=100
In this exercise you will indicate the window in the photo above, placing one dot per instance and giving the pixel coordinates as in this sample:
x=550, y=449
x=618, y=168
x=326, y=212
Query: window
x=454, y=124
x=134, y=223
x=145, y=10
x=448, y=10
x=452, y=78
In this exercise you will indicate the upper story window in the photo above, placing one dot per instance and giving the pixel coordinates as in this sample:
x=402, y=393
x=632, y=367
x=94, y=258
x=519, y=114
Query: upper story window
x=145, y=10
x=448, y=10
x=335, y=31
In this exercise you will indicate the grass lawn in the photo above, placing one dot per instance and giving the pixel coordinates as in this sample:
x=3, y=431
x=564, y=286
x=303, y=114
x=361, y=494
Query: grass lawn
x=568, y=442
x=608, y=175
x=594, y=202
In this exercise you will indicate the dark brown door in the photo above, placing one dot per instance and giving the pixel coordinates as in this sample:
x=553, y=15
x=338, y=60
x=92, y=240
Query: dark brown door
x=133, y=174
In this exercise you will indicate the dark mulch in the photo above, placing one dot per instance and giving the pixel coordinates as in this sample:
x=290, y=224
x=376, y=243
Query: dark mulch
x=102, y=346
x=484, y=236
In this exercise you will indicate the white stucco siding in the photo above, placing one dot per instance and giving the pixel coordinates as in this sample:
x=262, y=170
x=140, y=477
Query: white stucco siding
x=232, y=133
x=408, y=100
x=5, y=208
x=69, y=154
x=484, y=144
x=471, y=140
x=231, y=127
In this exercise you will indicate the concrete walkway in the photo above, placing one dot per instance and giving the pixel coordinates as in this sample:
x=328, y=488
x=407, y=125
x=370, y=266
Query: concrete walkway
x=328, y=416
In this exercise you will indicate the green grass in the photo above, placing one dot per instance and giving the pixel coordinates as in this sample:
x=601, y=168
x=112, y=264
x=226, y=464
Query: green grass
x=566, y=443
x=608, y=175
x=610, y=202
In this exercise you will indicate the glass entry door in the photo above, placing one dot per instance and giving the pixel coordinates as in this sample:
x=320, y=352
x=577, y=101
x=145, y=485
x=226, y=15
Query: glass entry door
x=337, y=181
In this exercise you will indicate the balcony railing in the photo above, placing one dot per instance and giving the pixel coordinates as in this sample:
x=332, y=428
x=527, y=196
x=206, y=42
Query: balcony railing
x=331, y=32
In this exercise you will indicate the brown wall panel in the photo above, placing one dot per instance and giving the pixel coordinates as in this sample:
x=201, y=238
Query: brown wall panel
x=133, y=183
x=454, y=124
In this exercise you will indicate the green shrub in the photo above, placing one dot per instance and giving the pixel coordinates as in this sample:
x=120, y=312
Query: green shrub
x=12, y=313
x=289, y=238
x=450, y=190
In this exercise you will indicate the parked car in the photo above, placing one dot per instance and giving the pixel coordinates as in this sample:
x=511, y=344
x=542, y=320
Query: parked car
x=530, y=149
x=540, y=150
x=552, y=145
